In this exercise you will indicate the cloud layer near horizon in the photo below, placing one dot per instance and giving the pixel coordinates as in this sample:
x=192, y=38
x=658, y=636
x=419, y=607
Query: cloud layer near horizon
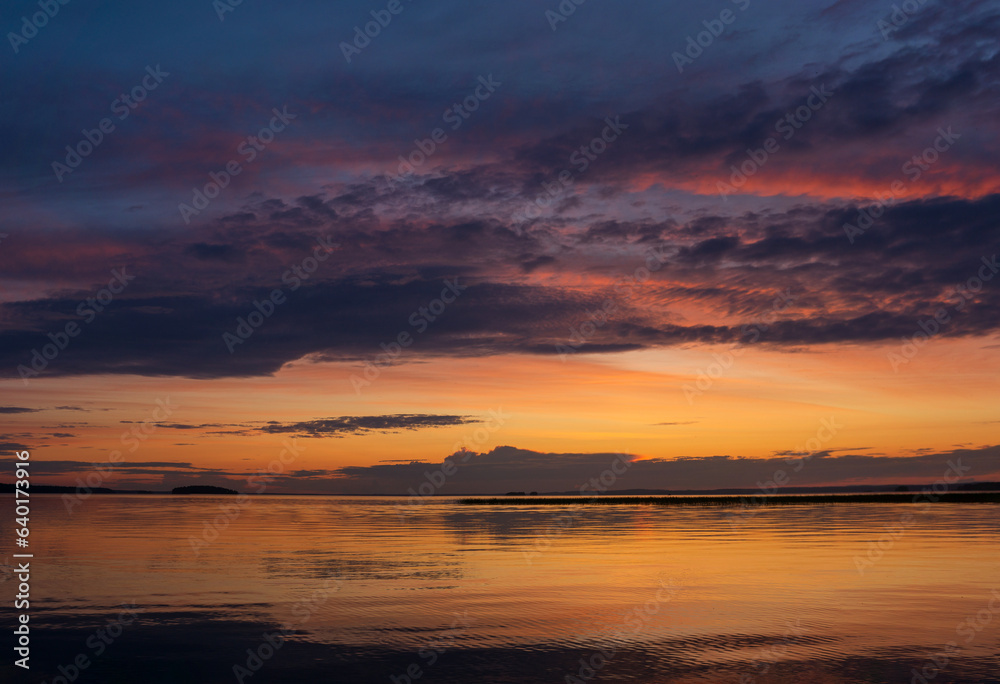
x=508, y=468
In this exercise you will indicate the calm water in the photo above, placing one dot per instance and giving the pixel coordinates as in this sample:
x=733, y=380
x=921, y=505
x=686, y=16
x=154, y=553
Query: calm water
x=477, y=594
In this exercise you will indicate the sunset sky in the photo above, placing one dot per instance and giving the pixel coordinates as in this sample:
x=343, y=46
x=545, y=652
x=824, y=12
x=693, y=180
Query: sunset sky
x=706, y=235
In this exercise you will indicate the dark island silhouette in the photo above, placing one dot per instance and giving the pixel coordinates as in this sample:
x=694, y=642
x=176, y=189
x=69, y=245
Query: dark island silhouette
x=202, y=489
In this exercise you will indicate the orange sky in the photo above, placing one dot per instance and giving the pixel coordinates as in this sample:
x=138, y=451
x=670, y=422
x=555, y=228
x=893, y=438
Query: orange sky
x=767, y=401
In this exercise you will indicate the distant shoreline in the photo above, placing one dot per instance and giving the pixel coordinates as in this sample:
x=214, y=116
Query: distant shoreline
x=972, y=492
x=736, y=500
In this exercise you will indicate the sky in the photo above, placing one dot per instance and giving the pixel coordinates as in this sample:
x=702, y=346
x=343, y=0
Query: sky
x=361, y=243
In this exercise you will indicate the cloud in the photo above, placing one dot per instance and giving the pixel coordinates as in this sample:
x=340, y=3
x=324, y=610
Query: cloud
x=72, y=467
x=507, y=468
x=529, y=283
x=361, y=424
x=903, y=269
x=17, y=409
x=510, y=469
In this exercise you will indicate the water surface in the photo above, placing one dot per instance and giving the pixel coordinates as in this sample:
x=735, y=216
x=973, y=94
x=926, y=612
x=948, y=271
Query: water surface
x=367, y=590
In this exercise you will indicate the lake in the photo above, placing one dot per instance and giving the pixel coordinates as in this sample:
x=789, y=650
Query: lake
x=343, y=589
